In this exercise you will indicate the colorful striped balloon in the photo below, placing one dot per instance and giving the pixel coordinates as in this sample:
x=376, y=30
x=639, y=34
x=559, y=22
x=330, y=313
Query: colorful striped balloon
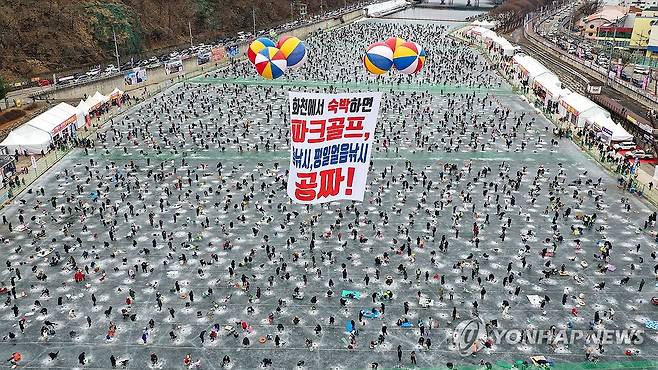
x=257, y=45
x=394, y=42
x=294, y=50
x=409, y=58
x=270, y=63
x=378, y=58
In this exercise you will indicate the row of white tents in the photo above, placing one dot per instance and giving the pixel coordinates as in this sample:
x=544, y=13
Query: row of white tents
x=527, y=71
x=60, y=121
x=498, y=44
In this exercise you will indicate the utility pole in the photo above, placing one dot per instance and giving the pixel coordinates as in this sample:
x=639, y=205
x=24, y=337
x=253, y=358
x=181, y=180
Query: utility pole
x=189, y=26
x=292, y=10
x=116, y=48
x=253, y=18
x=321, y=8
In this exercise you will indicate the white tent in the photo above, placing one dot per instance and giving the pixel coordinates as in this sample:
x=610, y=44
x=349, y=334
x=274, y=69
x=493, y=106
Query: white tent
x=480, y=33
x=92, y=103
x=608, y=129
x=618, y=133
x=528, y=67
x=58, y=119
x=591, y=115
x=577, y=108
x=101, y=98
x=116, y=93
x=82, y=107
x=506, y=48
x=509, y=49
x=27, y=140
x=551, y=85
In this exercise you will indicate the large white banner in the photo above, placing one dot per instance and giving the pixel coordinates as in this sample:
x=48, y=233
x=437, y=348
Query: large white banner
x=330, y=146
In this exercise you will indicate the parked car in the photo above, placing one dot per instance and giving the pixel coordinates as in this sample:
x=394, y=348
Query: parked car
x=94, y=72
x=640, y=69
x=65, y=80
x=127, y=66
x=81, y=78
x=625, y=145
x=624, y=76
x=111, y=69
x=640, y=154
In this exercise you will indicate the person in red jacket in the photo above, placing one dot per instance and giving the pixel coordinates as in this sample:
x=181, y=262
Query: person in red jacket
x=15, y=358
x=79, y=276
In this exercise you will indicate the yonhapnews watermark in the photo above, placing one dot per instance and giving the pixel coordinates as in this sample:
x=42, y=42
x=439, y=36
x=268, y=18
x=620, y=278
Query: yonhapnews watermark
x=470, y=336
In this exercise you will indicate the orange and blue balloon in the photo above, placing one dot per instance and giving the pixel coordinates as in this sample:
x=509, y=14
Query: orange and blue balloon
x=378, y=58
x=409, y=58
x=270, y=63
x=394, y=42
x=257, y=45
x=294, y=50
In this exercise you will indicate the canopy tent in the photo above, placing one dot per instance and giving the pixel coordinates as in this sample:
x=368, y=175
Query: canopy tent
x=529, y=67
x=27, y=139
x=617, y=132
x=100, y=97
x=551, y=86
x=608, y=129
x=480, y=33
x=590, y=114
x=577, y=108
x=83, y=108
x=503, y=45
x=58, y=119
x=116, y=94
x=84, y=111
x=94, y=102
